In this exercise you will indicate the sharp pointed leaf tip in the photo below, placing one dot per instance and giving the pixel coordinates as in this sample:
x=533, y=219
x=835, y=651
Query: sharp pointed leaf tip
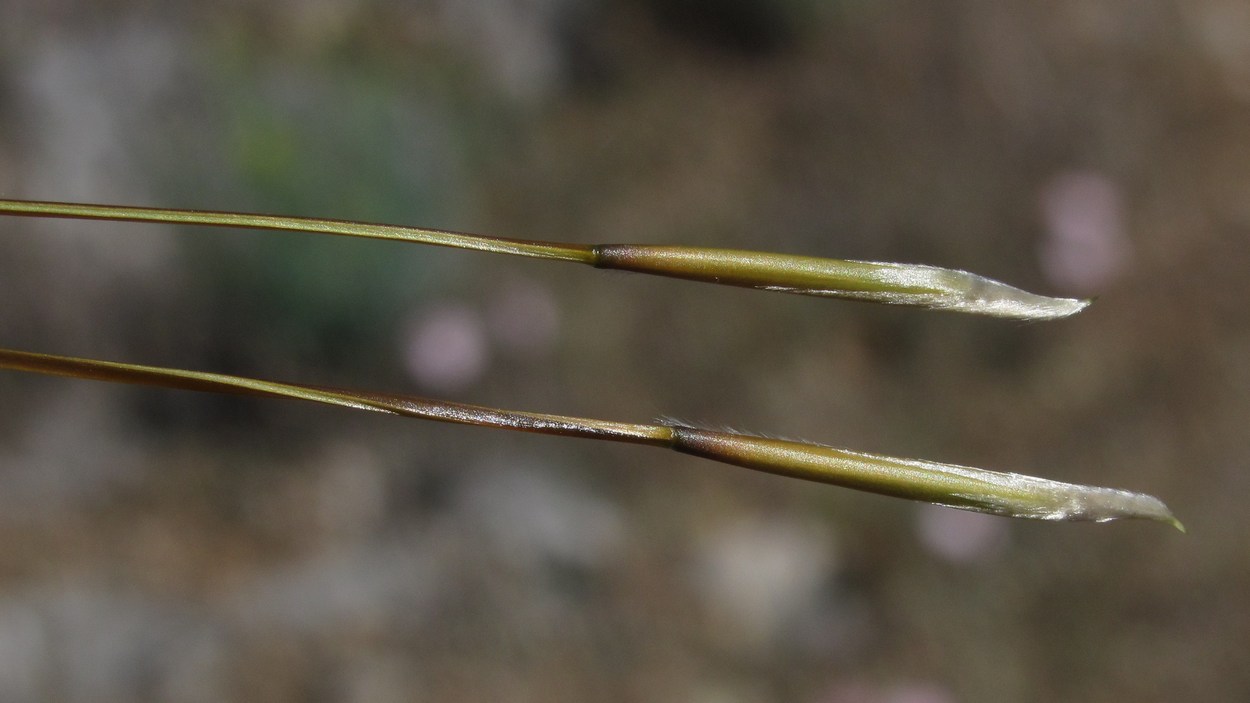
x=977, y=294
x=1103, y=504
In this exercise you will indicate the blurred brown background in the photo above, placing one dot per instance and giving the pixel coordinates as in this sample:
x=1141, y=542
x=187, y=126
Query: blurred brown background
x=180, y=547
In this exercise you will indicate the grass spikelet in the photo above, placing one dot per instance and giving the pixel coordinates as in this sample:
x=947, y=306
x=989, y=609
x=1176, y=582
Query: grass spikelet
x=998, y=493
x=877, y=282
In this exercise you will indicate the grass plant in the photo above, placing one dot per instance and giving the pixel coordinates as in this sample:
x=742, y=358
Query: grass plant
x=999, y=493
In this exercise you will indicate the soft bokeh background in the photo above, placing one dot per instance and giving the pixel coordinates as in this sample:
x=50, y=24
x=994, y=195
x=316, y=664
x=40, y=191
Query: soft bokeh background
x=180, y=547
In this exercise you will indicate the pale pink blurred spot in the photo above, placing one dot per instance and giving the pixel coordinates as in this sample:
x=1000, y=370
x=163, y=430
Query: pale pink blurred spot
x=960, y=536
x=1086, y=246
x=524, y=318
x=446, y=347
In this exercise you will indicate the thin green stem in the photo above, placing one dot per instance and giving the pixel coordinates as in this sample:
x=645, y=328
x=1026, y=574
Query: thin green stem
x=582, y=253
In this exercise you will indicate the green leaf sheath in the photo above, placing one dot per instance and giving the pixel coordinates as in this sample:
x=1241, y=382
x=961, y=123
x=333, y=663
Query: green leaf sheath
x=888, y=283
x=1011, y=495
